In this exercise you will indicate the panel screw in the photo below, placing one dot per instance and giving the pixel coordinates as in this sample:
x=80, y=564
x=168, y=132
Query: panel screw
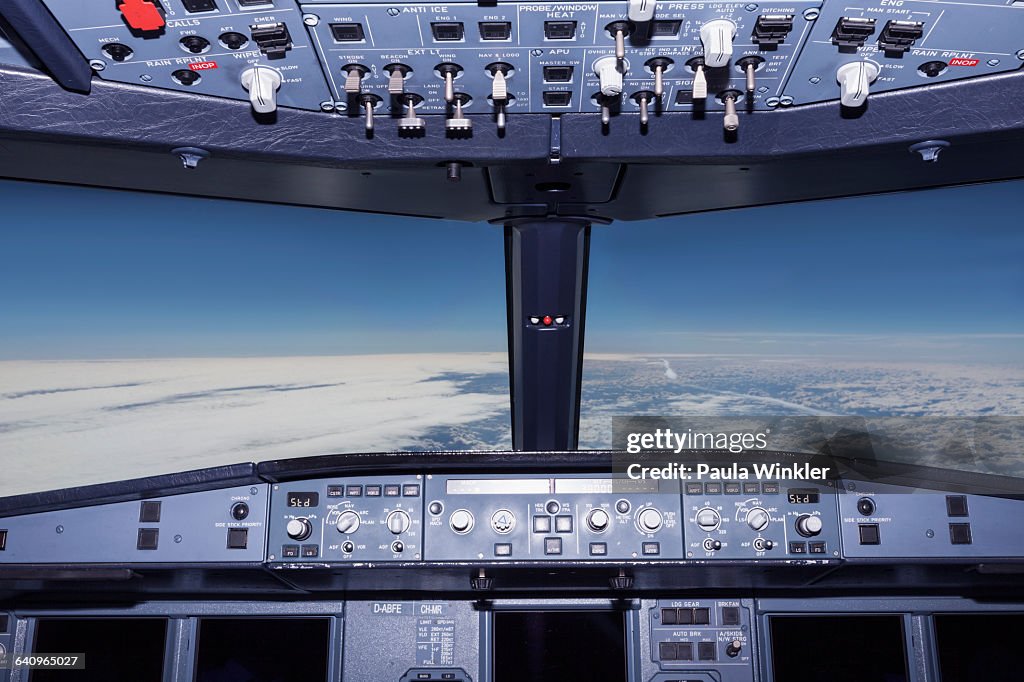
x=772, y=102
x=340, y=106
x=786, y=100
x=254, y=490
x=394, y=11
x=750, y=8
x=1020, y=54
x=97, y=64
x=763, y=89
x=310, y=19
x=145, y=78
x=993, y=62
x=815, y=79
x=536, y=53
x=177, y=539
x=60, y=529
x=811, y=14
x=326, y=106
x=930, y=533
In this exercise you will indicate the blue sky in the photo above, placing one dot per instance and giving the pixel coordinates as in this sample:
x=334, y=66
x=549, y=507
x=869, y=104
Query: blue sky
x=90, y=273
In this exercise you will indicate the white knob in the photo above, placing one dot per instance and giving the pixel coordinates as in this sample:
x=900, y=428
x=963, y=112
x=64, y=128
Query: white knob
x=758, y=519
x=708, y=519
x=808, y=525
x=262, y=82
x=641, y=10
x=717, y=37
x=649, y=520
x=854, y=81
x=398, y=522
x=461, y=521
x=598, y=520
x=348, y=522
x=299, y=529
x=609, y=71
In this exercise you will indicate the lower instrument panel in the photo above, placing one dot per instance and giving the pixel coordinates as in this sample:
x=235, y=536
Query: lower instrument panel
x=676, y=637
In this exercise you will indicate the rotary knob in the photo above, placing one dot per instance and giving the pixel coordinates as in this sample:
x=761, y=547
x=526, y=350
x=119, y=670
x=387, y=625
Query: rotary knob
x=649, y=520
x=808, y=525
x=348, y=522
x=708, y=519
x=398, y=522
x=598, y=520
x=299, y=529
x=461, y=521
x=717, y=37
x=758, y=519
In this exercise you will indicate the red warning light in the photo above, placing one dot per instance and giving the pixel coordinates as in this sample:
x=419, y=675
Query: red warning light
x=142, y=15
x=547, y=320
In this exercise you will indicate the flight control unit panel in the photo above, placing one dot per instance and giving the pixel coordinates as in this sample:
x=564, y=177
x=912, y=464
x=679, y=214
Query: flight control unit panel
x=404, y=61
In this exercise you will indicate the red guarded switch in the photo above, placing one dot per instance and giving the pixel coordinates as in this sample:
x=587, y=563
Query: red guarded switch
x=142, y=15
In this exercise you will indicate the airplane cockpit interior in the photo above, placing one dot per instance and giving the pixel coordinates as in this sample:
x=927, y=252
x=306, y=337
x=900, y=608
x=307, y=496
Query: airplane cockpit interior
x=511, y=341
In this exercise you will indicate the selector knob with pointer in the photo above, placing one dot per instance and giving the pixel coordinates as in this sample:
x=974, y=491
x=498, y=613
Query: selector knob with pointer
x=262, y=84
x=708, y=519
x=398, y=522
x=854, y=81
x=348, y=522
x=717, y=37
x=758, y=519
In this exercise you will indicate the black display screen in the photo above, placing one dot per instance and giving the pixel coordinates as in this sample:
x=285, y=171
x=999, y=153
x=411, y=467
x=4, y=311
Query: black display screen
x=554, y=646
x=263, y=650
x=115, y=649
x=838, y=648
x=803, y=496
x=979, y=646
x=303, y=499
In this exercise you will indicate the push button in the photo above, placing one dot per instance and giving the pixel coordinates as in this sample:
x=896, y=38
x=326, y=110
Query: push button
x=694, y=489
x=311, y=551
x=730, y=615
x=238, y=538
x=563, y=524
x=798, y=548
x=701, y=616
x=751, y=488
x=684, y=616
x=960, y=533
x=667, y=651
x=956, y=505
x=869, y=534
x=411, y=490
x=373, y=491
x=541, y=524
x=149, y=512
x=651, y=549
x=335, y=491
x=707, y=651
x=770, y=488
x=598, y=549
x=289, y=551
x=503, y=549
x=149, y=538
x=684, y=651
x=392, y=490
x=668, y=616
x=354, y=491
x=732, y=488
x=713, y=488
x=552, y=546
x=816, y=547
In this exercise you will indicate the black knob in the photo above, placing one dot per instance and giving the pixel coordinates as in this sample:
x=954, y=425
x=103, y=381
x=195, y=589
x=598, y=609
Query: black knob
x=240, y=511
x=732, y=650
x=866, y=506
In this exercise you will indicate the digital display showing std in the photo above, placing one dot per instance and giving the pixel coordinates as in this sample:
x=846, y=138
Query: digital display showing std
x=803, y=497
x=303, y=499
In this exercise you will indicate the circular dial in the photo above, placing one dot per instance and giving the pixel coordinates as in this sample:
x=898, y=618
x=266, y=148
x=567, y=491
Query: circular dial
x=808, y=525
x=398, y=522
x=708, y=519
x=348, y=522
x=461, y=521
x=598, y=520
x=758, y=519
x=299, y=529
x=648, y=520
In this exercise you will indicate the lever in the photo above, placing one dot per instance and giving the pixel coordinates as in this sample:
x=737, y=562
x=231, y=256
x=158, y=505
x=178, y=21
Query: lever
x=449, y=72
x=619, y=30
x=500, y=71
x=659, y=65
x=717, y=37
x=459, y=124
x=700, y=82
x=396, y=78
x=369, y=102
x=854, y=80
x=354, y=74
x=262, y=82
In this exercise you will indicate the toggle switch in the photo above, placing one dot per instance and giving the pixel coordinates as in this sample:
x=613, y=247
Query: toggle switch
x=731, y=122
x=717, y=37
x=262, y=82
x=658, y=66
x=354, y=74
x=605, y=103
x=854, y=81
x=643, y=99
x=459, y=125
x=397, y=73
x=500, y=72
x=700, y=79
x=449, y=72
x=411, y=123
x=610, y=70
x=641, y=10
x=748, y=65
x=369, y=102
x=619, y=30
